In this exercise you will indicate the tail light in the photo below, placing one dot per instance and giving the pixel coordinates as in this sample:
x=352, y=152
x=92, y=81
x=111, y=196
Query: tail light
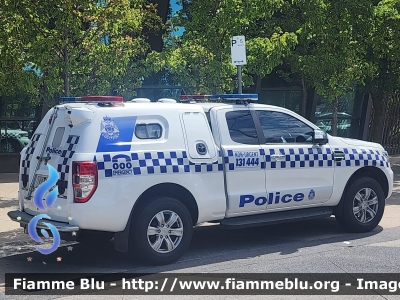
x=84, y=180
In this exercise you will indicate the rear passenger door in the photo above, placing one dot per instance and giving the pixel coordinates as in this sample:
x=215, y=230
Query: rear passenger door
x=298, y=173
x=244, y=175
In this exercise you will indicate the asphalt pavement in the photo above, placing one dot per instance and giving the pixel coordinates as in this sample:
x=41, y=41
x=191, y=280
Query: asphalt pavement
x=317, y=246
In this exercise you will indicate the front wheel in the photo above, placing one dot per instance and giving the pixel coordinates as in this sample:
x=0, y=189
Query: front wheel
x=162, y=232
x=363, y=207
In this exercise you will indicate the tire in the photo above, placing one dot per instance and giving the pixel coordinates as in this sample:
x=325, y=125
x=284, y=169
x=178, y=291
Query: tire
x=362, y=212
x=10, y=146
x=94, y=237
x=150, y=230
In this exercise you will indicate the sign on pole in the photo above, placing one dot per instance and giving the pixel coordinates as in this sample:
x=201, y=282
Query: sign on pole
x=238, y=50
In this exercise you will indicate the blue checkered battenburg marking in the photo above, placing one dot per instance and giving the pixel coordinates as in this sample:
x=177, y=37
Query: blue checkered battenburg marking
x=289, y=158
x=297, y=158
x=154, y=162
x=229, y=160
x=26, y=161
x=362, y=157
x=63, y=166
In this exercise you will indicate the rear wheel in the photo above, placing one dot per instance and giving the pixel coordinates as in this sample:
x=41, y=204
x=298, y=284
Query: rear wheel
x=162, y=232
x=10, y=146
x=363, y=207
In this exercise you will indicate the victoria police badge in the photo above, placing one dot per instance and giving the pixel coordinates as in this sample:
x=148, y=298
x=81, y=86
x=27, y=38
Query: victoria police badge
x=311, y=195
x=109, y=129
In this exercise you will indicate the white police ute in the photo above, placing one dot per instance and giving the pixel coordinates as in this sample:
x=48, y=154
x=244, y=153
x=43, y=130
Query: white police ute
x=146, y=172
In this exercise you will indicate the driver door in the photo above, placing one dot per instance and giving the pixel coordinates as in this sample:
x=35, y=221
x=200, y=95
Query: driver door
x=298, y=173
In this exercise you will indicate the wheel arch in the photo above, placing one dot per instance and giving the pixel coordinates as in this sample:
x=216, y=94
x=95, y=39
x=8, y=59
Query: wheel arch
x=162, y=189
x=372, y=172
x=171, y=190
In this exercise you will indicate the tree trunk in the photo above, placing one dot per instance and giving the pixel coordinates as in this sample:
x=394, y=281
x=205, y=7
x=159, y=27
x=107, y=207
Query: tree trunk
x=334, y=116
x=66, y=84
x=66, y=65
x=304, y=99
x=258, y=85
x=66, y=73
x=379, y=117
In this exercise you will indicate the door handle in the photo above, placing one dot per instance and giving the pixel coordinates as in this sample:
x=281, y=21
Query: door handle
x=278, y=157
x=338, y=155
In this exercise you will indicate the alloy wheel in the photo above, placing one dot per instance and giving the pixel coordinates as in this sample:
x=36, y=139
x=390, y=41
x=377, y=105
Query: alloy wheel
x=365, y=205
x=165, y=231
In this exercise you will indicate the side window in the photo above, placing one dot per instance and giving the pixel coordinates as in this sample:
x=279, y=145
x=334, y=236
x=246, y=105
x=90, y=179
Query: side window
x=241, y=127
x=279, y=127
x=148, y=131
x=58, y=136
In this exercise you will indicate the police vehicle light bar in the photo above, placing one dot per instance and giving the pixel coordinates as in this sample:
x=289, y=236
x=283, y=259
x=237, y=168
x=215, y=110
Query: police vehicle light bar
x=220, y=97
x=234, y=97
x=194, y=97
x=92, y=99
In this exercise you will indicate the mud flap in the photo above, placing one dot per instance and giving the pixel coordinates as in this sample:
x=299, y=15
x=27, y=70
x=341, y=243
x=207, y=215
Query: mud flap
x=121, y=238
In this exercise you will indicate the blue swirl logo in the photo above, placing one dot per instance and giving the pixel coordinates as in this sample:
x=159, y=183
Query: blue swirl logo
x=49, y=201
x=33, y=234
x=45, y=186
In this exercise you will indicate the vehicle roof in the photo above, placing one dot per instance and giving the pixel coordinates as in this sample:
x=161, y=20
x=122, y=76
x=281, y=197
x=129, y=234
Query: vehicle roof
x=176, y=107
x=205, y=106
x=138, y=105
x=208, y=105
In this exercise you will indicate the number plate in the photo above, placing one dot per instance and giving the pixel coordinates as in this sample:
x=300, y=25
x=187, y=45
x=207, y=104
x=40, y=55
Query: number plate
x=39, y=180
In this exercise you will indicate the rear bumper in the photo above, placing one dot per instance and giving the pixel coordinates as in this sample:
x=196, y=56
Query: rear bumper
x=23, y=218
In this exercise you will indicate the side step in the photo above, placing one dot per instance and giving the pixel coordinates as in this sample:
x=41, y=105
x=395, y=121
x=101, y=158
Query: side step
x=276, y=217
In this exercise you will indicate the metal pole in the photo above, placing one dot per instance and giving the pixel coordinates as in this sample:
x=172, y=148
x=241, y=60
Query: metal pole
x=239, y=77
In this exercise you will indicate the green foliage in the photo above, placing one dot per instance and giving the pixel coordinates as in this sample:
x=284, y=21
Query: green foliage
x=332, y=48
x=200, y=60
x=79, y=46
x=384, y=47
x=13, y=78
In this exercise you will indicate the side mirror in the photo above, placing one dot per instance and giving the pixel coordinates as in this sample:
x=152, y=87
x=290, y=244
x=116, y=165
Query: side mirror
x=320, y=137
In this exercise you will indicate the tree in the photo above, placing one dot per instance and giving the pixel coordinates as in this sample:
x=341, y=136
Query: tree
x=331, y=52
x=200, y=59
x=355, y=42
x=384, y=53
x=293, y=18
x=85, y=46
x=15, y=75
